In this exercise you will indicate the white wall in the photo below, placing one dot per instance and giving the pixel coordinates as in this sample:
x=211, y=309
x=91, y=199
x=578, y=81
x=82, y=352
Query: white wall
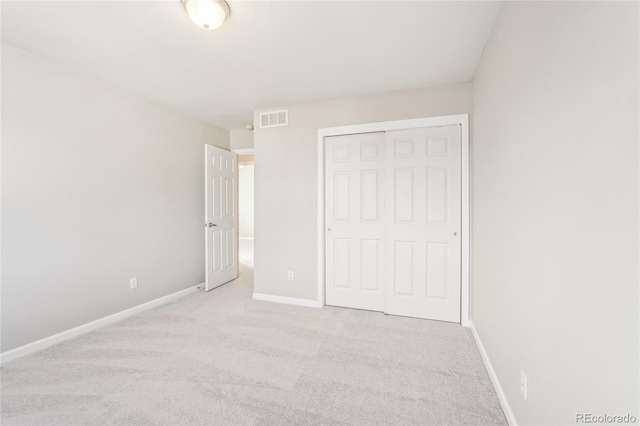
x=241, y=139
x=97, y=186
x=286, y=178
x=555, y=207
x=245, y=200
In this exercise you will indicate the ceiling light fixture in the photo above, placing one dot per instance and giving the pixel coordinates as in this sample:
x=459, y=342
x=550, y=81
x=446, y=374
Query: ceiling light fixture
x=207, y=14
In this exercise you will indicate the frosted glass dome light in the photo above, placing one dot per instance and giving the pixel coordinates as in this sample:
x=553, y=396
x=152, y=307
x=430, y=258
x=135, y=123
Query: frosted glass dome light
x=207, y=14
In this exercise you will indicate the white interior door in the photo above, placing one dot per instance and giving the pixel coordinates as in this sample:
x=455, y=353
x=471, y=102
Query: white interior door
x=221, y=216
x=393, y=221
x=422, y=239
x=355, y=221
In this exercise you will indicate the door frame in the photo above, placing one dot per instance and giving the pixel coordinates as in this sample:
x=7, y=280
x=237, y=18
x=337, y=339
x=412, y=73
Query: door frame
x=243, y=151
x=384, y=126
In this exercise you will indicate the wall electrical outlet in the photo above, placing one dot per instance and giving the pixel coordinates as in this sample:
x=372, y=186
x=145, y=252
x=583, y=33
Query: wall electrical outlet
x=290, y=275
x=133, y=283
x=523, y=385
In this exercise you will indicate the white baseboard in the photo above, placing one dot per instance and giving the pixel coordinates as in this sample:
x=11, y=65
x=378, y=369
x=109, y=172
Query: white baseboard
x=246, y=238
x=287, y=300
x=41, y=344
x=494, y=378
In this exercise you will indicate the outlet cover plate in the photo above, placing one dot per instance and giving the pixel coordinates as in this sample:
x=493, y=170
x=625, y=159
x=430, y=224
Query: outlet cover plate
x=523, y=385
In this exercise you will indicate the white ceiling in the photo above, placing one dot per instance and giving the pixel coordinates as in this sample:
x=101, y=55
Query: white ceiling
x=267, y=54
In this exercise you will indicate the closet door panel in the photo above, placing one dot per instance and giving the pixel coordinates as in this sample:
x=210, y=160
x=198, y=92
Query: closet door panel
x=354, y=221
x=422, y=227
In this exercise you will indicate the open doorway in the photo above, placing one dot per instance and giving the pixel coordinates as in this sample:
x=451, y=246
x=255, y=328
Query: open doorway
x=245, y=209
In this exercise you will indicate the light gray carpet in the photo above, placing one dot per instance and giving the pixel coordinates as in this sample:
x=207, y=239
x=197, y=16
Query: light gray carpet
x=220, y=358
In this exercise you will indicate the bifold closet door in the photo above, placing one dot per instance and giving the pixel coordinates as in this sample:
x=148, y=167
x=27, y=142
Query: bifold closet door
x=423, y=221
x=354, y=219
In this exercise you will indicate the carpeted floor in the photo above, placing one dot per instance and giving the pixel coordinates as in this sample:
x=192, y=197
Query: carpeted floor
x=220, y=358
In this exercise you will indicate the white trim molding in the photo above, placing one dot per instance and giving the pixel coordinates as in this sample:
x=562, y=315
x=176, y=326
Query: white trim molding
x=511, y=419
x=460, y=119
x=41, y=344
x=287, y=300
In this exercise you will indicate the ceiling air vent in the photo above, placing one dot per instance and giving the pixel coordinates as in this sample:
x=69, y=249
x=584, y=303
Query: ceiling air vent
x=274, y=118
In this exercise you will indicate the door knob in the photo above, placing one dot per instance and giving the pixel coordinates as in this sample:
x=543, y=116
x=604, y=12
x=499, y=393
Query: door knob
x=212, y=224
